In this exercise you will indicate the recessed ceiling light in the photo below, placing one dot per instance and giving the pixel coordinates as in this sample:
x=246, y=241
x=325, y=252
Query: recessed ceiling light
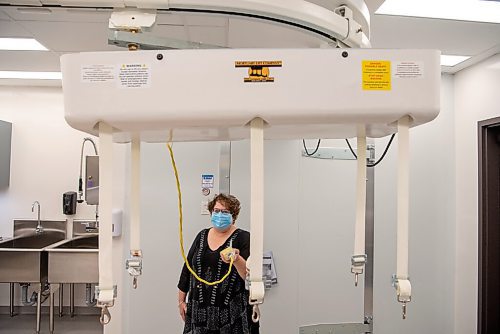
x=30, y=75
x=462, y=10
x=21, y=44
x=448, y=60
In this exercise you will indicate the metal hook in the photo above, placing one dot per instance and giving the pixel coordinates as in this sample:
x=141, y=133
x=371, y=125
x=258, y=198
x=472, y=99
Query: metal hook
x=255, y=313
x=404, y=310
x=356, y=279
x=105, y=315
x=134, y=282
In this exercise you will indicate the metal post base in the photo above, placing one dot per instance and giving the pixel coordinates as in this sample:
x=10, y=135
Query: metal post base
x=11, y=305
x=348, y=328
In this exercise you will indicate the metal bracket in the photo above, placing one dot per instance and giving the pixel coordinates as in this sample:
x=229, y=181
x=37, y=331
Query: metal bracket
x=335, y=153
x=148, y=42
x=370, y=157
x=348, y=328
x=132, y=20
x=395, y=280
x=134, y=266
x=332, y=153
x=358, y=260
x=357, y=266
x=98, y=291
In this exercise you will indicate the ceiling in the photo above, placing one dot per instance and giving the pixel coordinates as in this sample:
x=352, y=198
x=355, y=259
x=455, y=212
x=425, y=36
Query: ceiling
x=66, y=30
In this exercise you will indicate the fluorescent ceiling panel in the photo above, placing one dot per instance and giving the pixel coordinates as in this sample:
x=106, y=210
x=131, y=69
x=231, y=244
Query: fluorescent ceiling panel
x=21, y=44
x=462, y=10
x=448, y=60
x=30, y=75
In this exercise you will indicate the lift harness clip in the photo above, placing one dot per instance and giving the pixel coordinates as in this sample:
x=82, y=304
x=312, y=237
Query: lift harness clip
x=105, y=317
x=403, y=287
x=357, y=264
x=256, y=297
x=134, y=265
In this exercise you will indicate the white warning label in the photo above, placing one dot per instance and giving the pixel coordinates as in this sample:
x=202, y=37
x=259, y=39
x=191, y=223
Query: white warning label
x=408, y=69
x=134, y=76
x=98, y=73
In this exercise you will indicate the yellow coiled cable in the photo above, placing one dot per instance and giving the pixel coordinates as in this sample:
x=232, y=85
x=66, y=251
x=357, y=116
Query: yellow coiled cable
x=181, y=238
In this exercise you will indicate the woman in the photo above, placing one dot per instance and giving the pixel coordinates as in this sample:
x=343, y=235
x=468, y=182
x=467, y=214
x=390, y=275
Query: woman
x=221, y=308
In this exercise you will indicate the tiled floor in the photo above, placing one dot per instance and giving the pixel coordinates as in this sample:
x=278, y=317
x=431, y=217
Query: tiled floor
x=26, y=324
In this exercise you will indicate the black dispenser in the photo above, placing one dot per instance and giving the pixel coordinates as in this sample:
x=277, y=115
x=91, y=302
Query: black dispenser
x=69, y=203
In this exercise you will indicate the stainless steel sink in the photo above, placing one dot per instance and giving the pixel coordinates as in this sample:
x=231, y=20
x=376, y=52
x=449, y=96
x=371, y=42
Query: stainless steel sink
x=22, y=258
x=37, y=241
x=74, y=261
x=86, y=242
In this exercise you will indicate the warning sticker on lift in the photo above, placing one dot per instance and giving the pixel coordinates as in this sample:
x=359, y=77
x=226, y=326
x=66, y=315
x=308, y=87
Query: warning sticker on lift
x=408, y=69
x=134, y=76
x=98, y=73
x=376, y=74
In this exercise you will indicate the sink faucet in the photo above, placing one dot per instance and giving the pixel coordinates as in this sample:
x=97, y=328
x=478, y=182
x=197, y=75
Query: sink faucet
x=39, y=228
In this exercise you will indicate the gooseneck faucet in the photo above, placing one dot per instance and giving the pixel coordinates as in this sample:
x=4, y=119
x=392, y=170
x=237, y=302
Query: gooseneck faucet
x=80, y=180
x=39, y=228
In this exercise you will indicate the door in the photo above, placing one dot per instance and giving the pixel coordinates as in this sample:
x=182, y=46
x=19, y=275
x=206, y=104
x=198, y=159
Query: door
x=489, y=226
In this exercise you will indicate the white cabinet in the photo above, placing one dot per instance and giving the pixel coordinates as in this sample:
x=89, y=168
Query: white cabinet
x=5, y=147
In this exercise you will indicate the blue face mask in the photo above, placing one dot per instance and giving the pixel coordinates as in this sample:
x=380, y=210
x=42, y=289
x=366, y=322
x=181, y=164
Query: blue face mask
x=221, y=221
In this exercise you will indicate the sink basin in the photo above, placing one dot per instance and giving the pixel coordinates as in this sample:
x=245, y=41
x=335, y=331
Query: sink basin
x=90, y=242
x=37, y=241
x=22, y=259
x=74, y=261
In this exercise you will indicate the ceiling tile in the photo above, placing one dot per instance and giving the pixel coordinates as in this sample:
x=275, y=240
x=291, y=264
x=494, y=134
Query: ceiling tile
x=452, y=37
x=58, y=14
x=206, y=20
x=208, y=35
x=170, y=31
x=168, y=18
x=4, y=16
x=13, y=29
x=249, y=34
x=66, y=36
x=29, y=61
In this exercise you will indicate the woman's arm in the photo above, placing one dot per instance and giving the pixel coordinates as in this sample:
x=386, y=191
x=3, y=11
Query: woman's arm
x=241, y=254
x=182, y=304
x=240, y=264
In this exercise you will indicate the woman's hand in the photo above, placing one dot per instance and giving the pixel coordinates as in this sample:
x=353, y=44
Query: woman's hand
x=228, y=260
x=183, y=310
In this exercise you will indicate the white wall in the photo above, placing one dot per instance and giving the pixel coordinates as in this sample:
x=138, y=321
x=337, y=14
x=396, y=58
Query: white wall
x=44, y=164
x=476, y=98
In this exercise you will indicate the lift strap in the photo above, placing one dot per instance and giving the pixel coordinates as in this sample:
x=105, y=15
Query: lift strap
x=134, y=264
x=358, y=260
x=256, y=214
x=106, y=291
x=402, y=282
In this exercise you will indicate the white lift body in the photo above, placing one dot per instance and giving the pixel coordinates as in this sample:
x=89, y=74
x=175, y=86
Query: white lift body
x=203, y=95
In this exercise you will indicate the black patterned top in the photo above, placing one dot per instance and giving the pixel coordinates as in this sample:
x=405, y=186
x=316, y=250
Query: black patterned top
x=221, y=308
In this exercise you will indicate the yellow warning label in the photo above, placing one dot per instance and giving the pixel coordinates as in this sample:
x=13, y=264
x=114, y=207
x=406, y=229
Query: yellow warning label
x=376, y=74
x=258, y=71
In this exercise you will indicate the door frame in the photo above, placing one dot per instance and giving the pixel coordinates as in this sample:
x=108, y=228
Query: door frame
x=488, y=225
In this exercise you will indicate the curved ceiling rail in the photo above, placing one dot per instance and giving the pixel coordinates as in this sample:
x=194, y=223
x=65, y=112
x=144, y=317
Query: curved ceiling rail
x=337, y=25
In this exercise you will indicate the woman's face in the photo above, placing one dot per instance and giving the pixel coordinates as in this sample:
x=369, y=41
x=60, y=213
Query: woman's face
x=220, y=207
x=221, y=217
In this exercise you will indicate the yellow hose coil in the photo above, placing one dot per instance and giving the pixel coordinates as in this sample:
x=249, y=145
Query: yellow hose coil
x=181, y=238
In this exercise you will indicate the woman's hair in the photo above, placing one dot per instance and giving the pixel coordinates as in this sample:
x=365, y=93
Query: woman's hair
x=229, y=201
